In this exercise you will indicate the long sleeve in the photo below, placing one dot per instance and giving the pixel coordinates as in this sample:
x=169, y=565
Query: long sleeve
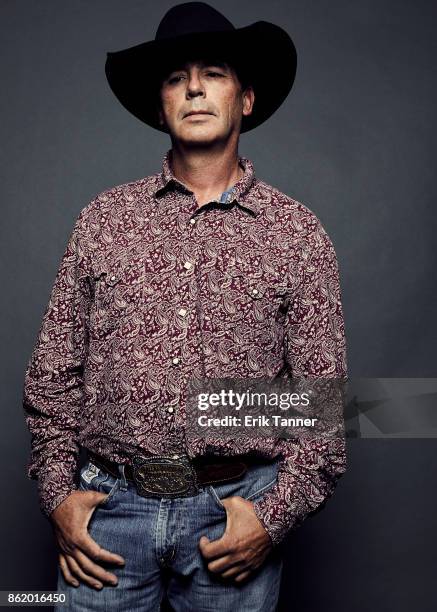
x=315, y=347
x=53, y=383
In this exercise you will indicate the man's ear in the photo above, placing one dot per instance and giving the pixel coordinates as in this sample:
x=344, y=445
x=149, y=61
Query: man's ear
x=158, y=107
x=161, y=119
x=159, y=112
x=248, y=100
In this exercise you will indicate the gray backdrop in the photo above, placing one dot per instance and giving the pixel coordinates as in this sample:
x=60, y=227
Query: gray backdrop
x=353, y=141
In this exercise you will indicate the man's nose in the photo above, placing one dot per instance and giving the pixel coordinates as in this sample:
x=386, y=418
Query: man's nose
x=195, y=86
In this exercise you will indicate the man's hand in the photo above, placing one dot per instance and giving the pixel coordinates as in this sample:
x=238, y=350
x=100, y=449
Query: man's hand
x=244, y=545
x=80, y=554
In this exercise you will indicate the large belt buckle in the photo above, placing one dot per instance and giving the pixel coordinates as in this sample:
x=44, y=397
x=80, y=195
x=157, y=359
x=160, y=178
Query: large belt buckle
x=164, y=477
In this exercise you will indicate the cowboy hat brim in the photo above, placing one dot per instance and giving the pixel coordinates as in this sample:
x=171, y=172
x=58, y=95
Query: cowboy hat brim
x=264, y=51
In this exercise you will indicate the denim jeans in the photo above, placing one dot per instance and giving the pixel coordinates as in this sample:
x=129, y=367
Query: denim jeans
x=158, y=538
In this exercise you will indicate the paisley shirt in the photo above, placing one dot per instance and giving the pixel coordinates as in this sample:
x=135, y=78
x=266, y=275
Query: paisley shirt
x=153, y=289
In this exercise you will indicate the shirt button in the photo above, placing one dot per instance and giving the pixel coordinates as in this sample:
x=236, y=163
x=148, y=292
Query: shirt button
x=182, y=312
x=192, y=221
x=175, y=457
x=175, y=360
x=170, y=409
x=188, y=265
x=113, y=278
x=255, y=291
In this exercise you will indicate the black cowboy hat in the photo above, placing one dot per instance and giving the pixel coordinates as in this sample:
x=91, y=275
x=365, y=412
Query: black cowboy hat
x=262, y=54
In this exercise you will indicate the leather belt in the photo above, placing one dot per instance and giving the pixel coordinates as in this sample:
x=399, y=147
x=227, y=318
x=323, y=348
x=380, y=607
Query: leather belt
x=174, y=476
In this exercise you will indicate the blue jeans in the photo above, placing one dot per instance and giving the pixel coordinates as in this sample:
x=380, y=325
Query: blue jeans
x=158, y=539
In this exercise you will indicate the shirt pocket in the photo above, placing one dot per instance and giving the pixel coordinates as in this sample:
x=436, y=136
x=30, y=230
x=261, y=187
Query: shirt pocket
x=118, y=296
x=252, y=298
x=265, y=295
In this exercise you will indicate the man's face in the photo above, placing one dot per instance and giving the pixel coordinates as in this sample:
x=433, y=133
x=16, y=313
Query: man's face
x=204, y=85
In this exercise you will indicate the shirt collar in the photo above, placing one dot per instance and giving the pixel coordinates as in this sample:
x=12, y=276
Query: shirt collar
x=241, y=189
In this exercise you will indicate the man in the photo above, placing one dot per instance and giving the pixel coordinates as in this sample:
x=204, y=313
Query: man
x=199, y=270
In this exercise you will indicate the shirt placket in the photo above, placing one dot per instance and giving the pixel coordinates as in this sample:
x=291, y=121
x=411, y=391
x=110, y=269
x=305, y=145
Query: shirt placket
x=187, y=350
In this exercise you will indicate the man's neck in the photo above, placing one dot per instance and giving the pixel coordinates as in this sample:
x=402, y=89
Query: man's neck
x=207, y=174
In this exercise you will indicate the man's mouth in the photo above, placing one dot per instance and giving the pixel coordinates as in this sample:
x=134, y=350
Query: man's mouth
x=197, y=113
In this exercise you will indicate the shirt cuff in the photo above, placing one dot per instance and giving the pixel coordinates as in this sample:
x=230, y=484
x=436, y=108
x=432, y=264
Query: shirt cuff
x=276, y=529
x=54, y=485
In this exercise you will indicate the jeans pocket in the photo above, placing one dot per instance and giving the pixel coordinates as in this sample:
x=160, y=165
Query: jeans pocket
x=93, y=478
x=252, y=486
x=262, y=491
x=111, y=488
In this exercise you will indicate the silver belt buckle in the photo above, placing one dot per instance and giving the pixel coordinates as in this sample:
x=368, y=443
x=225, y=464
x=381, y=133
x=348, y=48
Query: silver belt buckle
x=164, y=476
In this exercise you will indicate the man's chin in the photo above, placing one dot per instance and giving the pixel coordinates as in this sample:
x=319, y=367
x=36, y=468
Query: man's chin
x=198, y=140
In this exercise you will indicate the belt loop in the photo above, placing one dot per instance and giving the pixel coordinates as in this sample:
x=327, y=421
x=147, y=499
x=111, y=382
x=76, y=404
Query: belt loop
x=123, y=482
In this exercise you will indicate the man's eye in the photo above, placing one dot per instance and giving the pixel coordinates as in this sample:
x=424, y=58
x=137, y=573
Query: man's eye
x=174, y=79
